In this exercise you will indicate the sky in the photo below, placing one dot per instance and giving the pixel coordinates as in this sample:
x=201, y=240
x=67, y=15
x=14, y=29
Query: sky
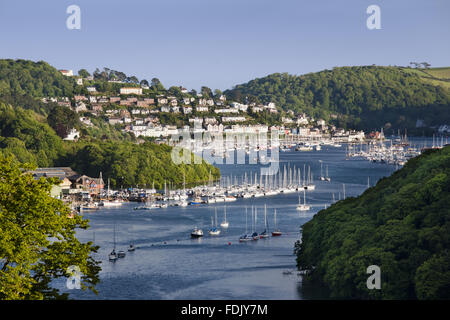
x=221, y=43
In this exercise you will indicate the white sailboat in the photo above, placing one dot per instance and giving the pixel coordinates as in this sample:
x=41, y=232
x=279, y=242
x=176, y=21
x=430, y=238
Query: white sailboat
x=225, y=224
x=304, y=206
x=108, y=202
x=322, y=177
x=327, y=178
x=310, y=185
x=214, y=231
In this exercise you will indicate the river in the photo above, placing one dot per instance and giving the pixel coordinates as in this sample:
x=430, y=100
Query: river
x=167, y=264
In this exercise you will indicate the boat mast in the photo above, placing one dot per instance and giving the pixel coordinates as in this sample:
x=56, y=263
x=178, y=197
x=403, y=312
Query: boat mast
x=246, y=226
x=265, y=217
x=275, y=218
x=215, y=215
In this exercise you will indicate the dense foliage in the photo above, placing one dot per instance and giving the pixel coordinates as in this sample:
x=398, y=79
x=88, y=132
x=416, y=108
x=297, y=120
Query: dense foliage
x=127, y=163
x=402, y=225
x=130, y=164
x=365, y=97
x=62, y=120
x=34, y=79
x=37, y=238
x=29, y=140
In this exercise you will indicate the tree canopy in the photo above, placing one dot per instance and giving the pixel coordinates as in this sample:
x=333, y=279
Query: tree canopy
x=402, y=225
x=35, y=79
x=364, y=97
x=37, y=237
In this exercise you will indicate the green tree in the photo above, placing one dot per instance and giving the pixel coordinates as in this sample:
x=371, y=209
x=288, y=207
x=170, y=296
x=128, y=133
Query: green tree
x=37, y=238
x=83, y=73
x=62, y=120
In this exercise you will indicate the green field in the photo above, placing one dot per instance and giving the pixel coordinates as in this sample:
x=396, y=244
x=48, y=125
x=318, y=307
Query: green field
x=435, y=76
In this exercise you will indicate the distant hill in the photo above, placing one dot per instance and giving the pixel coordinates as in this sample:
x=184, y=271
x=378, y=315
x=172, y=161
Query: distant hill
x=401, y=225
x=365, y=97
x=35, y=79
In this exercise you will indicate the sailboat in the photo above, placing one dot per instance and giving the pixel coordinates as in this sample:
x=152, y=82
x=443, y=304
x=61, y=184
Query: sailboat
x=225, y=223
x=108, y=202
x=276, y=232
x=327, y=178
x=113, y=255
x=265, y=233
x=304, y=206
x=245, y=237
x=310, y=185
x=322, y=177
x=214, y=231
x=255, y=235
x=131, y=247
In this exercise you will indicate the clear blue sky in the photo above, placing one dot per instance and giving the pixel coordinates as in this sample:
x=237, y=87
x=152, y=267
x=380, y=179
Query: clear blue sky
x=221, y=43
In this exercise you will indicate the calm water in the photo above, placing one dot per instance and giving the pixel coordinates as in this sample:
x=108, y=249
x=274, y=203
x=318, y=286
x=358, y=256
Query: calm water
x=170, y=265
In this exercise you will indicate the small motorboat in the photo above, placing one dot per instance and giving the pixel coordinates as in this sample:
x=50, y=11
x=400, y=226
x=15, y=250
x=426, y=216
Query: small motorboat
x=131, y=247
x=197, y=233
x=121, y=254
x=197, y=200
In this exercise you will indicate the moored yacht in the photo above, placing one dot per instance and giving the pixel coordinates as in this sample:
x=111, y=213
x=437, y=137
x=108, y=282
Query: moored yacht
x=276, y=232
x=197, y=233
x=225, y=224
x=113, y=256
x=303, y=206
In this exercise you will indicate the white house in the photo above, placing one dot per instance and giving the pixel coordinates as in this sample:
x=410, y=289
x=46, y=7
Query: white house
x=80, y=107
x=230, y=110
x=67, y=73
x=233, y=119
x=72, y=135
x=130, y=90
x=202, y=109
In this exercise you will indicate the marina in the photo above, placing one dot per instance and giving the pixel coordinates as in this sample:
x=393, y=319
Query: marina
x=174, y=257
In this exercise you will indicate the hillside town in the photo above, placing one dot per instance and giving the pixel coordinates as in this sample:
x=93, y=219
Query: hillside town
x=136, y=110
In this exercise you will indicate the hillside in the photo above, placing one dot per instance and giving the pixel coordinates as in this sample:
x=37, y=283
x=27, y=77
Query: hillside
x=402, y=225
x=27, y=137
x=367, y=97
x=35, y=79
x=435, y=76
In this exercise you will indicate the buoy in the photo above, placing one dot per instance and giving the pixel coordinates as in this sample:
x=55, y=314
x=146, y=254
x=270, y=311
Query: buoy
x=229, y=243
